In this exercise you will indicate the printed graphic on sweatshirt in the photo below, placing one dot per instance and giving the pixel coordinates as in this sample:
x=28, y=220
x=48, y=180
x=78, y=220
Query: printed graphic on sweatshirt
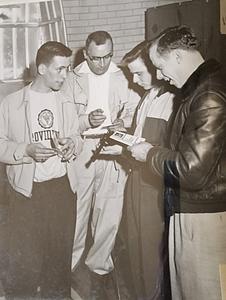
x=45, y=118
x=44, y=135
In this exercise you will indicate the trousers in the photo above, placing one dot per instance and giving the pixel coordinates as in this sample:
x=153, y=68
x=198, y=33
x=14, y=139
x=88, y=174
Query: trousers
x=197, y=246
x=41, y=231
x=100, y=190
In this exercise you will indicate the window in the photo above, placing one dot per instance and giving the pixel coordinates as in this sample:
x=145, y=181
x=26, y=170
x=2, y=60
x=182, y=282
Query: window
x=24, y=26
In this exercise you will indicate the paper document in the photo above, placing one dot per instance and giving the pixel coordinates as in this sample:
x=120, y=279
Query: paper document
x=126, y=139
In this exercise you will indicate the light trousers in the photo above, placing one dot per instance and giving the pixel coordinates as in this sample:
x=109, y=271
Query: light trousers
x=100, y=190
x=197, y=246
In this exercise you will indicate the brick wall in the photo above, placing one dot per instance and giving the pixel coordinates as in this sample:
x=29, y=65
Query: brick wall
x=123, y=19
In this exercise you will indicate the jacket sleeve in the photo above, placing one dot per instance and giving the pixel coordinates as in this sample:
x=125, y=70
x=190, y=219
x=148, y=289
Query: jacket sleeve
x=128, y=99
x=73, y=90
x=84, y=122
x=11, y=152
x=74, y=128
x=132, y=100
x=81, y=101
x=200, y=146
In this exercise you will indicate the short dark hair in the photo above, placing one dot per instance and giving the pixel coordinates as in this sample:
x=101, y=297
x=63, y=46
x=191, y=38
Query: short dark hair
x=99, y=37
x=139, y=51
x=177, y=37
x=49, y=50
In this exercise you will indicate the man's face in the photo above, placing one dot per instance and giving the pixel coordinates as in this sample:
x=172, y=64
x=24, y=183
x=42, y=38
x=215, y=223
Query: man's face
x=99, y=57
x=168, y=66
x=140, y=73
x=55, y=73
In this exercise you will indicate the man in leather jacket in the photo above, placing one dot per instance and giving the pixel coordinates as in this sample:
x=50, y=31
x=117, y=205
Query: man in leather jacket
x=193, y=165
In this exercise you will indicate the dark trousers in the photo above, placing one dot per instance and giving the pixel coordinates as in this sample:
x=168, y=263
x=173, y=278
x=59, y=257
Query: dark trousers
x=41, y=231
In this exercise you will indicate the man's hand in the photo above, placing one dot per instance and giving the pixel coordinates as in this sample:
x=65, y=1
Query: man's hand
x=67, y=148
x=140, y=151
x=96, y=117
x=112, y=150
x=118, y=124
x=39, y=153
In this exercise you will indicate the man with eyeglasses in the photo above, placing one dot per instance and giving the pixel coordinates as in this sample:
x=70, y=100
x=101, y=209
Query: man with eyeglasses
x=102, y=97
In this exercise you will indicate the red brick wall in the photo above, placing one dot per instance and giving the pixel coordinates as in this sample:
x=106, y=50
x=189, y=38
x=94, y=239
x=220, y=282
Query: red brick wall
x=123, y=19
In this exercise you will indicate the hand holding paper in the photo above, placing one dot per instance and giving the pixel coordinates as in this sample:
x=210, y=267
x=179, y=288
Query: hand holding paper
x=140, y=151
x=125, y=138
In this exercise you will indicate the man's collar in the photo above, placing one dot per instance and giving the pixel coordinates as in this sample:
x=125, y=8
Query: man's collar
x=204, y=70
x=85, y=68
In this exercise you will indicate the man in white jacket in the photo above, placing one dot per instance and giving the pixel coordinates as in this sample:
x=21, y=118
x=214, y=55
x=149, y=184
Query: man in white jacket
x=103, y=99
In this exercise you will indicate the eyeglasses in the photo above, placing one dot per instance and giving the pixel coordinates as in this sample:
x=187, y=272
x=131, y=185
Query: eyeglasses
x=98, y=59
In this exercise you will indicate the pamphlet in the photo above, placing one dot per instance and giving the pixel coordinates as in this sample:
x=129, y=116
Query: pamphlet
x=126, y=139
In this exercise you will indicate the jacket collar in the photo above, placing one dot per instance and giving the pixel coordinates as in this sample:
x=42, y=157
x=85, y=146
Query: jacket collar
x=199, y=75
x=26, y=92
x=83, y=68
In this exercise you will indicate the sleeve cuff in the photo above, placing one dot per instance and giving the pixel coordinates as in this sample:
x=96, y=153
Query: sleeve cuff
x=84, y=123
x=20, y=152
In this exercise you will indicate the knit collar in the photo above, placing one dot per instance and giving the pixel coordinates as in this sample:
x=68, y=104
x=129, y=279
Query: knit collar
x=199, y=75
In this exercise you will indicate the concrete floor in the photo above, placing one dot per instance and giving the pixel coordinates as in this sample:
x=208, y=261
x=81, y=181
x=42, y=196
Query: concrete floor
x=116, y=288
x=81, y=283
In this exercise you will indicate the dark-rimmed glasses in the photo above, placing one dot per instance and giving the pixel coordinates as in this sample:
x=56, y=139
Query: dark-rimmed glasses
x=98, y=59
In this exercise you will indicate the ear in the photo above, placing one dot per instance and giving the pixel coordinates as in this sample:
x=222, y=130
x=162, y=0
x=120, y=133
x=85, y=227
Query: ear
x=178, y=56
x=84, y=53
x=42, y=69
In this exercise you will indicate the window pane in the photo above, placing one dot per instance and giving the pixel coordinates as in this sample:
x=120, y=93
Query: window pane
x=20, y=49
x=7, y=53
x=23, y=29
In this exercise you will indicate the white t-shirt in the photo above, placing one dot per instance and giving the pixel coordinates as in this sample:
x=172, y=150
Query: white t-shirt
x=44, y=125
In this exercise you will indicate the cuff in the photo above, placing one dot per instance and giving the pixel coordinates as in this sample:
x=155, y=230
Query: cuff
x=84, y=123
x=20, y=152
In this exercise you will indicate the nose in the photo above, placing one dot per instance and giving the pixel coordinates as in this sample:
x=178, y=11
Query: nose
x=135, y=78
x=159, y=75
x=102, y=62
x=64, y=73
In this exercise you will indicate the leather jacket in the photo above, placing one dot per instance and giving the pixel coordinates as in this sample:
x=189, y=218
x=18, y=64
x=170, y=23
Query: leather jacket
x=194, y=164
